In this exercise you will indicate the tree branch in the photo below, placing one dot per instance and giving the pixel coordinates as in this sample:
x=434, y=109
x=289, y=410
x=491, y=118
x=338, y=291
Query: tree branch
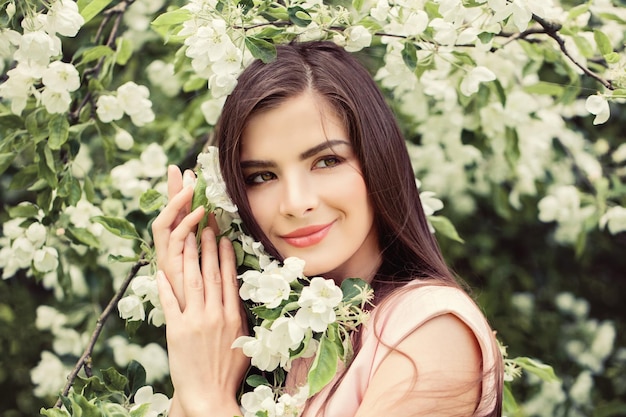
x=85, y=360
x=116, y=12
x=552, y=30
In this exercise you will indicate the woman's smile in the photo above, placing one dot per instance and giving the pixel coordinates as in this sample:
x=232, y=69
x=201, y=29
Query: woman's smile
x=308, y=236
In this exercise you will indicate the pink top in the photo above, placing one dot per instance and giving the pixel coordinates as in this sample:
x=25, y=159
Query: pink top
x=401, y=315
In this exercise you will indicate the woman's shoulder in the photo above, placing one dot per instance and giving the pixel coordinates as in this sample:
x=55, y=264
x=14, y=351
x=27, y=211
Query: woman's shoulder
x=419, y=301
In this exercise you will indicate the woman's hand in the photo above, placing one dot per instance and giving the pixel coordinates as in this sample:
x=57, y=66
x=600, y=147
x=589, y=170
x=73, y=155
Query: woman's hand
x=199, y=296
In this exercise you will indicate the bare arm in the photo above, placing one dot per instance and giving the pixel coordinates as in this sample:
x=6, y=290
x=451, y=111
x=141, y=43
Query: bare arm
x=436, y=370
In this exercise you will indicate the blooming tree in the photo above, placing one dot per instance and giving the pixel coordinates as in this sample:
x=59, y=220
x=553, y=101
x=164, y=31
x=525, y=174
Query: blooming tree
x=504, y=100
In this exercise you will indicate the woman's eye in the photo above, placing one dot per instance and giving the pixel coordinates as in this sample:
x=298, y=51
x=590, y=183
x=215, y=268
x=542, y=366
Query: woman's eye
x=259, y=178
x=328, y=162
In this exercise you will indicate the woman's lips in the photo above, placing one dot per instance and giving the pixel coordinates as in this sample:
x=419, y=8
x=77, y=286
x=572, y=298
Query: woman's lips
x=307, y=236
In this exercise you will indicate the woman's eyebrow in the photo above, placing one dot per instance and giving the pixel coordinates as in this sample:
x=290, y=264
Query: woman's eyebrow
x=327, y=144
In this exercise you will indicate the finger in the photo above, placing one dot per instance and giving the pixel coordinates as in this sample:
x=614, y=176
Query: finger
x=228, y=269
x=173, y=257
x=187, y=181
x=193, y=285
x=166, y=221
x=174, y=181
x=169, y=303
x=211, y=269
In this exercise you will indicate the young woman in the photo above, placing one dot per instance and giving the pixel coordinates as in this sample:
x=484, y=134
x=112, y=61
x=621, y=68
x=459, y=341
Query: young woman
x=314, y=160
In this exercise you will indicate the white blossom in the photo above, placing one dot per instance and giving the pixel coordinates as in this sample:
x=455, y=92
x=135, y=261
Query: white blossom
x=154, y=161
x=49, y=318
x=212, y=108
x=615, y=219
x=159, y=403
x=599, y=106
x=49, y=375
x=60, y=76
x=580, y=392
x=56, y=101
x=134, y=101
x=108, y=108
x=64, y=18
x=317, y=302
x=357, y=38
x=123, y=140
x=37, y=234
x=46, y=259
x=257, y=348
x=161, y=74
x=472, y=80
x=131, y=308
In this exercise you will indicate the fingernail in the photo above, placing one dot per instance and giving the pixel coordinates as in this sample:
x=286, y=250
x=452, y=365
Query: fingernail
x=191, y=239
x=189, y=180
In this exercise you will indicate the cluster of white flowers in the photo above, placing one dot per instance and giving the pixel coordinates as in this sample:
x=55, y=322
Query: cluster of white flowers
x=264, y=400
x=563, y=206
x=152, y=357
x=131, y=99
x=132, y=178
x=23, y=245
x=36, y=52
x=143, y=289
x=211, y=44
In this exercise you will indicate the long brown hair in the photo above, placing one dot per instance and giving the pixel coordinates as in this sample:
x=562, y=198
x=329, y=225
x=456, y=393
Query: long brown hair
x=409, y=250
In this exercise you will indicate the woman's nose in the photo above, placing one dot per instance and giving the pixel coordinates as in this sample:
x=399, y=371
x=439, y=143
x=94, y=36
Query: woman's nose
x=299, y=196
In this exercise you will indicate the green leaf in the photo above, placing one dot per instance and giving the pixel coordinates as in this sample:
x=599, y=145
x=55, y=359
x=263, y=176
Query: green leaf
x=256, y=380
x=46, y=167
x=324, y=366
x=24, y=209
x=612, y=58
x=267, y=313
x=114, y=380
x=299, y=16
x=119, y=227
x=5, y=161
x=69, y=187
x=603, y=42
x=444, y=226
x=239, y=252
x=59, y=130
x=136, y=375
x=95, y=53
x=151, y=200
x=124, y=51
x=543, y=371
x=584, y=46
x=140, y=411
x=174, y=17
x=409, y=55
x=352, y=288
x=578, y=10
x=82, y=407
x=509, y=404
x=82, y=236
x=194, y=84
x=261, y=49
x=545, y=88
x=90, y=8
x=199, y=198
x=54, y=412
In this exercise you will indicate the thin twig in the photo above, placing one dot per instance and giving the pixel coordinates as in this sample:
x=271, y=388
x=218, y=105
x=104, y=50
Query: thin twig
x=118, y=11
x=85, y=360
x=551, y=29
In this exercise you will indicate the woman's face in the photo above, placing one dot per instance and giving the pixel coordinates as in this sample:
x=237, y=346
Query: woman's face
x=306, y=190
